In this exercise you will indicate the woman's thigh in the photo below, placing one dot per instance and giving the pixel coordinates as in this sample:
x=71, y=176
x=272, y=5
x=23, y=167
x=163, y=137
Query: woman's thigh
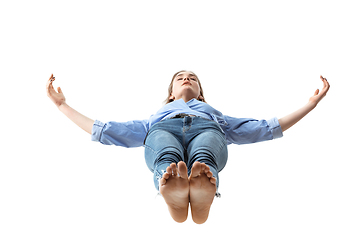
x=209, y=147
x=162, y=147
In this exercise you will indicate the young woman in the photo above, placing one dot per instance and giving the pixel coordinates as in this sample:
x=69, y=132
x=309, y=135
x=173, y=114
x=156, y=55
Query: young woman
x=185, y=141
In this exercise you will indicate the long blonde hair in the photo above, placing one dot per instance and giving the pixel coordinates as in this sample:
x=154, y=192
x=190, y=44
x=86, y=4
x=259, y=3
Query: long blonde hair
x=168, y=100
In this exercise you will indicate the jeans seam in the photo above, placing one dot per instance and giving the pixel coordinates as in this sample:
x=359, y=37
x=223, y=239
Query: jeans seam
x=146, y=146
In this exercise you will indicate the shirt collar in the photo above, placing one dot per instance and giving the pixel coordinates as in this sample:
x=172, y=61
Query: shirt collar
x=188, y=102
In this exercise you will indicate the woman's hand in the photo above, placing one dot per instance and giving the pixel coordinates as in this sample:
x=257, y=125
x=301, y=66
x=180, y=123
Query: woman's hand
x=318, y=96
x=289, y=120
x=57, y=97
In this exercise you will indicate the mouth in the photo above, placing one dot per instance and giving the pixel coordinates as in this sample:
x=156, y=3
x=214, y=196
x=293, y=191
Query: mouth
x=186, y=83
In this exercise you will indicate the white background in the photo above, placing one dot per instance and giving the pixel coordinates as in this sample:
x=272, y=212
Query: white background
x=114, y=61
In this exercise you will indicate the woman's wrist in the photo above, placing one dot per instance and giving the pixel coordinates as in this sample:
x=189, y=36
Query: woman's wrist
x=311, y=105
x=62, y=106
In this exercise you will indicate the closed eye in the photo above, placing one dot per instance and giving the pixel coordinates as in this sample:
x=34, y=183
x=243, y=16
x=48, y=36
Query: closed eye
x=194, y=79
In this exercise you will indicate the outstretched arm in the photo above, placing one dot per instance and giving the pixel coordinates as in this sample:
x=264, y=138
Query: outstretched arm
x=59, y=99
x=289, y=120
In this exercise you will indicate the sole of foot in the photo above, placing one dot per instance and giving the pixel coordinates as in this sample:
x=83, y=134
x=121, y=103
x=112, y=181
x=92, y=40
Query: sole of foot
x=202, y=191
x=174, y=187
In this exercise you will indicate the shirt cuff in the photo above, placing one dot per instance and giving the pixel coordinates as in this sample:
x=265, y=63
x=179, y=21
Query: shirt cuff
x=96, y=131
x=275, y=128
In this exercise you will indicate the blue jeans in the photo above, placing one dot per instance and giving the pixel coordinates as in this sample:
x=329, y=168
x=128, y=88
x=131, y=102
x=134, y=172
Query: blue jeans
x=187, y=139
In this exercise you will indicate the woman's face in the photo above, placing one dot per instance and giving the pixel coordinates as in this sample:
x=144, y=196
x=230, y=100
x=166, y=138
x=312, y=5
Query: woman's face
x=185, y=86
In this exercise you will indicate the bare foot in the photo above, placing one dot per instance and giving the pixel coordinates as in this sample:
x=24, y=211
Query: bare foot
x=202, y=191
x=174, y=187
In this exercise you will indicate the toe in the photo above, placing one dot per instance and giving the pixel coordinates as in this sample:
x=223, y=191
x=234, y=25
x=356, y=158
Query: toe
x=166, y=176
x=196, y=169
x=169, y=170
x=162, y=181
x=204, y=167
x=173, y=168
x=213, y=180
x=182, y=170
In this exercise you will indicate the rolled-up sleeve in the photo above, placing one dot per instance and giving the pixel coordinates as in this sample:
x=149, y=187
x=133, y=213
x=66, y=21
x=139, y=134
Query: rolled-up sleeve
x=125, y=134
x=275, y=128
x=247, y=130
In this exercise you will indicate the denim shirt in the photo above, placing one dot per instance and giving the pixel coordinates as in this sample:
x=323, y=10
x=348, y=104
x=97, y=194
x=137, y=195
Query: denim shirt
x=236, y=130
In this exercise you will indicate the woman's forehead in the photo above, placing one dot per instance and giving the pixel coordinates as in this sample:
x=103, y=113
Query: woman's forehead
x=187, y=72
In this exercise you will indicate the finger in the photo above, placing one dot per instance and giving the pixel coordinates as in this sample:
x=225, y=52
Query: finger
x=50, y=78
x=327, y=82
x=49, y=85
x=324, y=81
x=50, y=90
x=316, y=92
x=59, y=90
x=326, y=88
x=326, y=85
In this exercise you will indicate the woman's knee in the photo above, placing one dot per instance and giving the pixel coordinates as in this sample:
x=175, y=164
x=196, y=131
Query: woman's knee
x=210, y=148
x=162, y=147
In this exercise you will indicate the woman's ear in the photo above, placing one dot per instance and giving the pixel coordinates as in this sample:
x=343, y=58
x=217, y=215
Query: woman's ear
x=172, y=97
x=201, y=98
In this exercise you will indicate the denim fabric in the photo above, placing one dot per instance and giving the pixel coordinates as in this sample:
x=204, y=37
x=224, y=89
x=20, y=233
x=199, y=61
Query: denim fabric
x=187, y=139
